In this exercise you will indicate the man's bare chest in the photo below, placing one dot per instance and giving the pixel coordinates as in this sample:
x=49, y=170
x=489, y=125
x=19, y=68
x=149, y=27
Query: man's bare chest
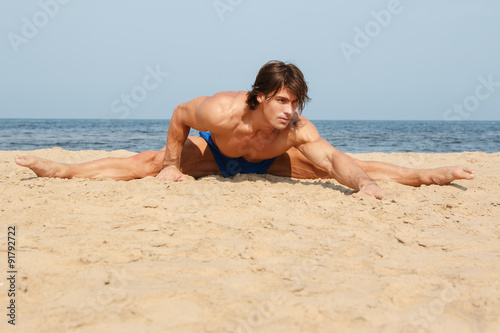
x=252, y=148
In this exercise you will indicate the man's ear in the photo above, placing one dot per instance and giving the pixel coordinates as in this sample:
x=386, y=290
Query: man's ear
x=261, y=97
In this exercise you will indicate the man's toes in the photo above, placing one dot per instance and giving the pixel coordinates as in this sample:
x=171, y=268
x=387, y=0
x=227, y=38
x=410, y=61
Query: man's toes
x=464, y=173
x=22, y=160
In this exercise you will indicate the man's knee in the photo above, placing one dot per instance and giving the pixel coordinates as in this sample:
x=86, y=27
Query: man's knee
x=148, y=163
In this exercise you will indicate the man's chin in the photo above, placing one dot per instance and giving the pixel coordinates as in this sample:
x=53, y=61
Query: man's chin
x=283, y=124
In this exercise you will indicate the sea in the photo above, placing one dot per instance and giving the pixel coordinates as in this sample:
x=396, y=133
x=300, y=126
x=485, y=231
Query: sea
x=351, y=136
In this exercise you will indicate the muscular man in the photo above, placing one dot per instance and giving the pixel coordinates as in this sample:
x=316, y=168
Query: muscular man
x=261, y=131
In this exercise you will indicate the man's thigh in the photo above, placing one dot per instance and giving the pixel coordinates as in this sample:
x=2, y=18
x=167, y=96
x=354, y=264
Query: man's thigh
x=197, y=159
x=294, y=164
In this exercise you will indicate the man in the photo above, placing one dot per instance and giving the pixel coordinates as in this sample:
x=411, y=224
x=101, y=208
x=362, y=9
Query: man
x=261, y=131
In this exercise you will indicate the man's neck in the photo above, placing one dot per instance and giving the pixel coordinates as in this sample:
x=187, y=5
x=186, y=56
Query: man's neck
x=257, y=122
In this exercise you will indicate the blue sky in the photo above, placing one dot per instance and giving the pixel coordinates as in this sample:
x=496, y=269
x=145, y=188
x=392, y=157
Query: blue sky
x=420, y=59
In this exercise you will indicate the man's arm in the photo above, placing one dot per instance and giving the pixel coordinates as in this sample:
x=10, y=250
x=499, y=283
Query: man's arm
x=340, y=166
x=185, y=116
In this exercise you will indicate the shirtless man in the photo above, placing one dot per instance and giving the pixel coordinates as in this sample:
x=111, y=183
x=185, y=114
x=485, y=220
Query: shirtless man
x=261, y=131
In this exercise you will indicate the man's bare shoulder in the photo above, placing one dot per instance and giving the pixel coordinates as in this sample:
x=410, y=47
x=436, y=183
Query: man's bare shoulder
x=229, y=94
x=302, y=130
x=225, y=100
x=222, y=110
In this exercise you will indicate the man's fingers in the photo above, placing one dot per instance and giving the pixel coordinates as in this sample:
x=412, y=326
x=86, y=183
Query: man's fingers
x=176, y=178
x=171, y=175
x=377, y=194
x=182, y=178
x=166, y=179
x=357, y=195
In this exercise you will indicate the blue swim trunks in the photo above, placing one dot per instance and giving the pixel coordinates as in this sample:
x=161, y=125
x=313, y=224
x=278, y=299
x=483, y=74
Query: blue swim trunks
x=232, y=166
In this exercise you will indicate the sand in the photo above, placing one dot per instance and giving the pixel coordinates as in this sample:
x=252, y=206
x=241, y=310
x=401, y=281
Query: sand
x=252, y=253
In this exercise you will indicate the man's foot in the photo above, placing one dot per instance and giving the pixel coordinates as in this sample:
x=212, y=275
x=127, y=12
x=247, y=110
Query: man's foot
x=43, y=167
x=445, y=175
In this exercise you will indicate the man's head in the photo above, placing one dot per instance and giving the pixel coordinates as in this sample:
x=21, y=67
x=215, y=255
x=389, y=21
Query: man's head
x=277, y=75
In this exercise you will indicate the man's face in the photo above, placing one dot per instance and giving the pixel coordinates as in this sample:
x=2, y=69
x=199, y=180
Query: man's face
x=280, y=109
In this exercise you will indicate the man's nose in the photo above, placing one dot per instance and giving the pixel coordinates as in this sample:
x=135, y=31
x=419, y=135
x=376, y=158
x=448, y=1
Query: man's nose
x=288, y=110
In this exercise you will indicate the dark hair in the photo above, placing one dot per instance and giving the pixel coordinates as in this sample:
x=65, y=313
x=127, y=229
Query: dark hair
x=276, y=75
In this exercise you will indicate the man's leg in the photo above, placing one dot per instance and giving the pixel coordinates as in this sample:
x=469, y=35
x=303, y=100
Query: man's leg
x=294, y=164
x=196, y=161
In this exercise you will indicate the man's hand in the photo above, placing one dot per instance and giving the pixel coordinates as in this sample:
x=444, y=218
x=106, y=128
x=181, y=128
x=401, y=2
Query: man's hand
x=171, y=173
x=372, y=190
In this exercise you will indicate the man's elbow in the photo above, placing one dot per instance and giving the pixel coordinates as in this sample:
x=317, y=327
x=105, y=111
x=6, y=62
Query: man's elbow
x=327, y=164
x=180, y=115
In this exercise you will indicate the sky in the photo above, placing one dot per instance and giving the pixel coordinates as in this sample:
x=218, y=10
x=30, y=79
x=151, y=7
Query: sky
x=363, y=60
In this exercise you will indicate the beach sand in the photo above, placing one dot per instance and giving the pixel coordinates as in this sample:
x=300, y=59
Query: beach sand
x=252, y=253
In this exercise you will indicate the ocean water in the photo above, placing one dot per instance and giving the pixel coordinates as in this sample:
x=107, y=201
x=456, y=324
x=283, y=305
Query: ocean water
x=347, y=136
